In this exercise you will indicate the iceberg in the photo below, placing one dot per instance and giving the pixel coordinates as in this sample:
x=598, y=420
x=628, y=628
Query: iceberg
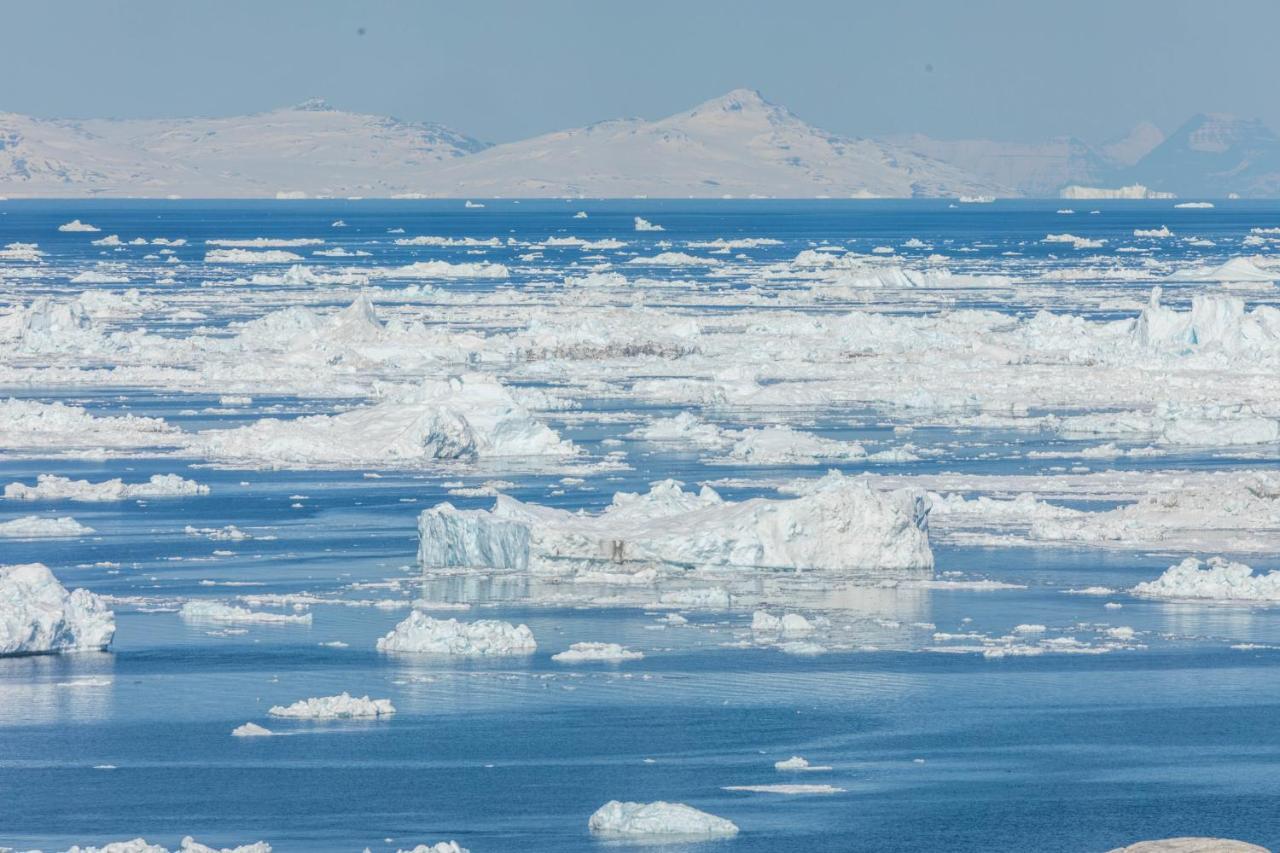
x=1216, y=579
x=658, y=820
x=583, y=652
x=216, y=611
x=843, y=525
x=646, y=225
x=37, y=527
x=1191, y=845
x=788, y=625
x=251, y=730
x=39, y=616
x=50, y=487
x=1133, y=191
x=342, y=706
x=452, y=419
x=77, y=225
x=422, y=634
x=438, y=847
x=188, y=845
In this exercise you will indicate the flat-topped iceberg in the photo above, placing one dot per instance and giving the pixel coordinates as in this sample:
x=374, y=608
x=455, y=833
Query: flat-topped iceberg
x=38, y=527
x=188, y=845
x=342, y=706
x=39, y=616
x=216, y=611
x=449, y=419
x=842, y=525
x=608, y=652
x=1216, y=579
x=50, y=487
x=422, y=634
x=658, y=820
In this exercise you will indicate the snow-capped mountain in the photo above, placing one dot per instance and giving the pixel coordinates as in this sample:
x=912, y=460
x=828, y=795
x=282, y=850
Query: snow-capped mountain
x=308, y=148
x=738, y=144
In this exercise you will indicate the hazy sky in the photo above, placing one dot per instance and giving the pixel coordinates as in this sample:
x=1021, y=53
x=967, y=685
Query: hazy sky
x=503, y=70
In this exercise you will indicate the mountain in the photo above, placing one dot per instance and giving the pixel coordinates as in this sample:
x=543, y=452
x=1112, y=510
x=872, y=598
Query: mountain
x=1126, y=150
x=738, y=144
x=310, y=148
x=1032, y=168
x=1213, y=155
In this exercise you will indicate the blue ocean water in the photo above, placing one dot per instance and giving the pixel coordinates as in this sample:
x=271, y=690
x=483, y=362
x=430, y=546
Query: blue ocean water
x=933, y=751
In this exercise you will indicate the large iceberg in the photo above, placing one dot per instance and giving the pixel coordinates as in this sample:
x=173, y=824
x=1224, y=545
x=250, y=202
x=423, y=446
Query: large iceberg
x=457, y=418
x=423, y=634
x=842, y=525
x=658, y=819
x=39, y=616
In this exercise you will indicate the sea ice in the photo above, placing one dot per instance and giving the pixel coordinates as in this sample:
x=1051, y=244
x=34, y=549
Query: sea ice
x=609, y=652
x=1216, y=579
x=50, y=487
x=216, y=611
x=38, y=527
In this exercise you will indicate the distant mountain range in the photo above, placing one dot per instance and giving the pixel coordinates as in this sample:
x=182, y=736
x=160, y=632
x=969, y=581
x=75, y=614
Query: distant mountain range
x=736, y=145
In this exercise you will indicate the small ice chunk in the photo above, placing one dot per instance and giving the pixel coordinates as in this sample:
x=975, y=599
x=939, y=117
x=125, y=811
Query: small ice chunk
x=251, y=730
x=342, y=706
x=611, y=652
x=422, y=634
x=658, y=819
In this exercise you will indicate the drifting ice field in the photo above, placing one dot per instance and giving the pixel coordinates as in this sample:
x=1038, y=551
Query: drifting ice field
x=544, y=511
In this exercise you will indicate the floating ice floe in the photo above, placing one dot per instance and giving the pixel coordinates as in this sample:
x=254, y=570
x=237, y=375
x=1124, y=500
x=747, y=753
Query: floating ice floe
x=77, y=225
x=342, y=706
x=188, y=845
x=796, y=764
x=39, y=527
x=453, y=419
x=216, y=611
x=646, y=225
x=50, y=487
x=607, y=652
x=28, y=425
x=251, y=730
x=1191, y=845
x=1236, y=270
x=1215, y=579
x=787, y=625
x=792, y=790
x=438, y=847
x=248, y=256
x=658, y=820
x=422, y=634
x=39, y=616
x=842, y=525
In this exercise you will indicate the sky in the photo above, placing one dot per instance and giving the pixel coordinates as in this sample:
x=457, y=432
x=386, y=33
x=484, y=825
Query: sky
x=501, y=70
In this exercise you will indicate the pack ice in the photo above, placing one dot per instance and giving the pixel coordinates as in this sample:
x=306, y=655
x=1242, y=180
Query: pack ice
x=39, y=616
x=842, y=525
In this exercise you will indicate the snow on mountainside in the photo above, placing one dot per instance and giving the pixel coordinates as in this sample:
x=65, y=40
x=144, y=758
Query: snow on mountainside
x=738, y=144
x=308, y=148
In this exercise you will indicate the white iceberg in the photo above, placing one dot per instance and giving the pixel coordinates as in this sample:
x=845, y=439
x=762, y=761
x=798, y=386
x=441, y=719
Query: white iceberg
x=251, y=730
x=438, y=847
x=422, y=634
x=1216, y=579
x=787, y=625
x=77, y=225
x=50, y=487
x=39, y=616
x=37, y=527
x=216, y=611
x=658, y=820
x=608, y=652
x=842, y=525
x=188, y=845
x=458, y=418
x=646, y=225
x=342, y=706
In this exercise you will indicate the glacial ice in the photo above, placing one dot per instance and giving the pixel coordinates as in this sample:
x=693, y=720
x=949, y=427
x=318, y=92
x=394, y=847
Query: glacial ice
x=216, y=611
x=51, y=487
x=459, y=418
x=342, y=706
x=842, y=525
x=39, y=527
x=1216, y=579
x=658, y=820
x=584, y=652
x=422, y=634
x=38, y=615
x=251, y=730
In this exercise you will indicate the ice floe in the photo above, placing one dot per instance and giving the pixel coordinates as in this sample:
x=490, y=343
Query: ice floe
x=39, y=616
x=342, y=706
x=1215, y=579
x=585, y=652
x=422, y=634
x=658, y=820
x=51, y=487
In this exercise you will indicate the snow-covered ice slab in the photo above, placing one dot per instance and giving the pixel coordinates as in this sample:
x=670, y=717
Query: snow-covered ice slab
x=38, y=527
x=1215, y=579
x=607, y=652
x=51, y=487
x=453, y=419
x=842, y=525
x=216, y=611
x=342, y=706
x=422, y=634
x=659, y=820
x=39, y=616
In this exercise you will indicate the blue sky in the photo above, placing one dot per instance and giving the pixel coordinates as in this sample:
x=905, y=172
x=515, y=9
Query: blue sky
x=504, y=70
